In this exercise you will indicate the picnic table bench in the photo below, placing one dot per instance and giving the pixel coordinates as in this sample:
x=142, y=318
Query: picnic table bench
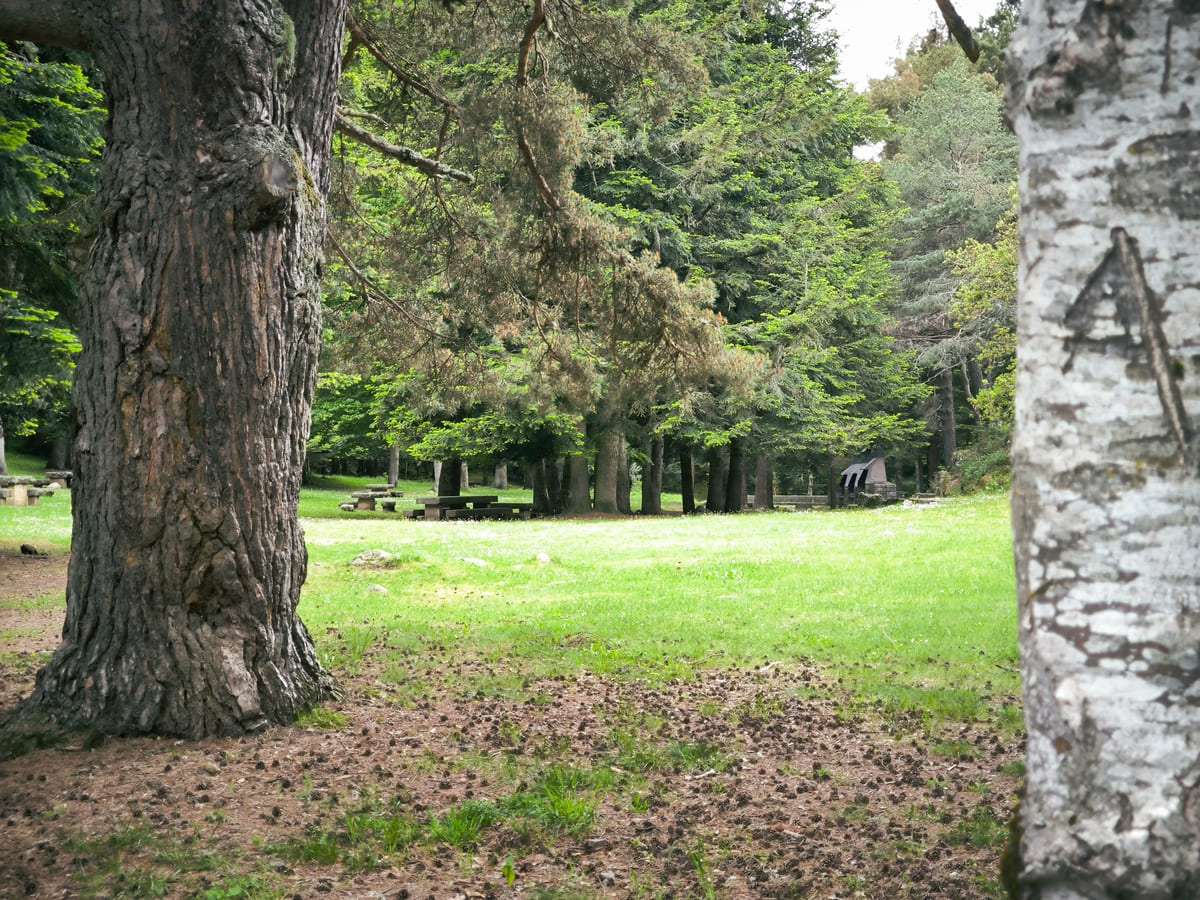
x=797, y=501
x=365, y=500
x=23, y=490
x=469, y=506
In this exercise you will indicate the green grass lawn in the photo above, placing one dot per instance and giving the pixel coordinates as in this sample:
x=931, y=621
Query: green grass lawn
x=908, y=606
x=912, y=606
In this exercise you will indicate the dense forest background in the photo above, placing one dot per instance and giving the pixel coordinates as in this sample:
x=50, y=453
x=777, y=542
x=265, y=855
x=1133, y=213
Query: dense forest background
x=653, y=244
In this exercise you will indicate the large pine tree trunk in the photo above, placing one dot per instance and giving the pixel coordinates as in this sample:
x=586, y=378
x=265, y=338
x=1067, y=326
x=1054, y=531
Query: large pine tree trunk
x=1106, y=493
x=200, y=333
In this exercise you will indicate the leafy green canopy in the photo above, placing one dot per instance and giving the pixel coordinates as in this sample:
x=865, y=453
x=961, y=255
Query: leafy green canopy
x=514, y=296
x=50, y=117
x=754, y=183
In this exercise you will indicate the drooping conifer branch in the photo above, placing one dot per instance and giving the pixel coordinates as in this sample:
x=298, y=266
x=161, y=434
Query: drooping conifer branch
x=537, y=20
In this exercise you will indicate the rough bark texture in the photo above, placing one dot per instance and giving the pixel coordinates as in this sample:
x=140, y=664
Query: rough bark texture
x=500, y=477
x=1106, y=493
x=194, y=388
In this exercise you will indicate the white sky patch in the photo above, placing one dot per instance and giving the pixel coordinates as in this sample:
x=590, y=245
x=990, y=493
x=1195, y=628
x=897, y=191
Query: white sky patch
x=874, y=32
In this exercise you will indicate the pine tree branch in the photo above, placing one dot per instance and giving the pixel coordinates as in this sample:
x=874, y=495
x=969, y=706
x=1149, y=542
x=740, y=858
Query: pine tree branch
x=359, y=37
x=409, y=157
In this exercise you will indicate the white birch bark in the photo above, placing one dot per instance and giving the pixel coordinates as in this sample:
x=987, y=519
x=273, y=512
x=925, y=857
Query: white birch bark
x=1106, y=493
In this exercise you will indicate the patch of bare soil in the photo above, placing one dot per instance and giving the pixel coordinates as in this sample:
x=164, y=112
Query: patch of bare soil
x=734, y=786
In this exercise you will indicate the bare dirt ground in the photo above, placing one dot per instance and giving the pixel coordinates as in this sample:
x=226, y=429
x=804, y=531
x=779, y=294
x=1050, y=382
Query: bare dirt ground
x=796, y=799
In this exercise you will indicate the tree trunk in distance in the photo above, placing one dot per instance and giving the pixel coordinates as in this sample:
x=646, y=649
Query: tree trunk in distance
x=764, y=483
x=464, y=478
x=652, y=478
x=687, y=473
x=500, y=477
x=579, y=498
x=624, y=481
x=450, y=478
x=608, y=449
x=1106, y=495
x=735, y=493
x=718, y=479
x=3, y=458
x=554, y=485
x=971, y=392
x=394, y=465
x=541, y=494
x=437, y=475
x=200, y=327
x=949, y=422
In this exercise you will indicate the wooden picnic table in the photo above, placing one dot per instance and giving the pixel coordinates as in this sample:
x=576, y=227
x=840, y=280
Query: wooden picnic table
x=469, y=506
x=439, y=507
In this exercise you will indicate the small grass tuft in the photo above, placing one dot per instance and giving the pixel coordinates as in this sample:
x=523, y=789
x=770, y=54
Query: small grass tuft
x=322, y=718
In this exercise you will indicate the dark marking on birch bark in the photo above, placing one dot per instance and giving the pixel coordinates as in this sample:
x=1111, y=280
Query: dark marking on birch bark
x=1155, y=175
x=1166, y=79
x=1117, y=313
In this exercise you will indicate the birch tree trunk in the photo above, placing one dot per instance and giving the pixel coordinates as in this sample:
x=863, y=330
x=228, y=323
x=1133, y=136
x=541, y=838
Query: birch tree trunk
x=200, y=331
x=1106, y=494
